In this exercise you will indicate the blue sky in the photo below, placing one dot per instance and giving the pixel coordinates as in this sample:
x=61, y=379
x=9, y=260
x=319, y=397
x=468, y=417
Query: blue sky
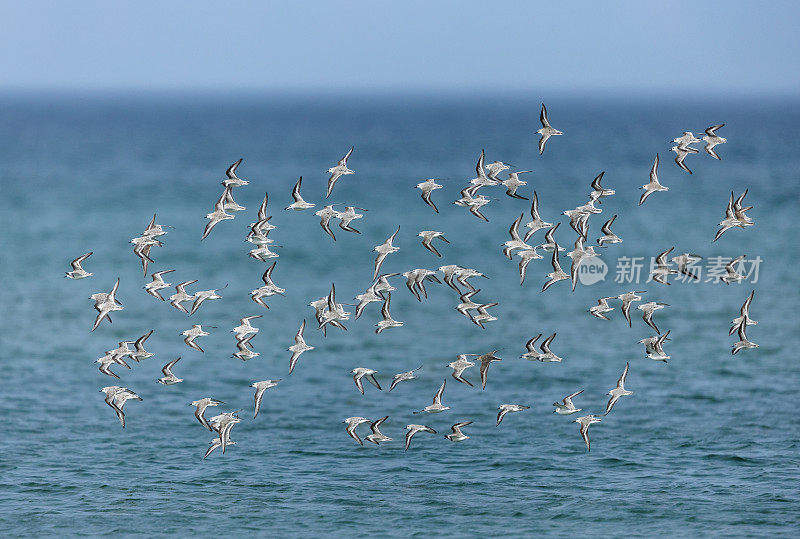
x=465, y=46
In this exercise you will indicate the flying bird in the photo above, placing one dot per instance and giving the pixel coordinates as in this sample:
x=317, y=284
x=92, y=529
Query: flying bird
x=77, y=271
x=546, y=131
x=618, y=391
x=338, y=171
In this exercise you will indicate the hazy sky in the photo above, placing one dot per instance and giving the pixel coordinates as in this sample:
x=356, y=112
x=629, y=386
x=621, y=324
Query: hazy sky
x=698, y=45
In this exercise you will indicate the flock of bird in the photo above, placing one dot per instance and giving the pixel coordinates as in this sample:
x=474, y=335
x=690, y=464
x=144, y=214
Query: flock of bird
x=330, y=313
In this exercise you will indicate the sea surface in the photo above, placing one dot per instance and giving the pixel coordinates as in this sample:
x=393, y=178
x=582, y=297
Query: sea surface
x=708, y=444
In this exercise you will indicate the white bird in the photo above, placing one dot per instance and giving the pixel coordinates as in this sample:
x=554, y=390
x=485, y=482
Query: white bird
x=427, y=187
x=686, y=139
x=180, y=295
x=681, y=152
x=298, y=204
x=332, y=312
x=204, y=295
x=654, y=347
x=269, y=288
x=506, y=408
x=486, y=360
x=142, y=247
x=261, y=387
x=536, y=222
x=347, y=216
x=647, y=312
x=526, y=255
x=558, y=274
x=531, y=353
x=413, y=429
x=105, y=304
x=232, y=180
x=546, y=131
x=230, y=204
x=457, y=435
x=653, y=186
x=153, y=230
x=325, y=215
x=584, y=422
x=468, y=273
x=735, y=215
x=107, y=361
x=359, y=373
x=262, y=223
x=743, y=343
x=140, y=353
x=731, y=275
x=384, y=249
x=404, y=376
x=259, y=231
x=547, y=355
x=515, y=243
x=223, y=423
x=598, y=191
x=474, y=203
x=122, y=396
x=451, y=271
x=263, y=253
x=712, y=139
x=352, y=423
x=549, y=242
x=77, y=271
x=216, y=443
x=382, y=283
x=513, y=183
x=200, y=409
x=459, y=366
x=437, y=406
x=482, y=180
x=618, y=391
x=245, y=328
x=739, y=211
x=483, y=316
x=608, y=236
x=744, y=315
x=415, y=281
x=298, y=347
x=566, y=407
x=191, y=334
x=122, y=351
x=683, y=261
x=627, y=299
x=602, y=308
x=428, y=236
x=578, y=255
x=662, y=269
x=116, y=397
x=467, y=304
x=169, y=378
x=338, y=171
x=589, y=207
x=218, y=215
x=157, y=284
x=475, y=206
x=388, y=321
x=110, y=391
x=369, y=296
x=243, y=349
x=376, y=437
x=496, y=168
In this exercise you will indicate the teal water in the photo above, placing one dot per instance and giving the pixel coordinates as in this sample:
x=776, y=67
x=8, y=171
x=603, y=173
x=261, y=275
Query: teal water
x=707, y=445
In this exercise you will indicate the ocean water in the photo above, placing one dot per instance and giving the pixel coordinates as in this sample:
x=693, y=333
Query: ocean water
x=708, y=444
